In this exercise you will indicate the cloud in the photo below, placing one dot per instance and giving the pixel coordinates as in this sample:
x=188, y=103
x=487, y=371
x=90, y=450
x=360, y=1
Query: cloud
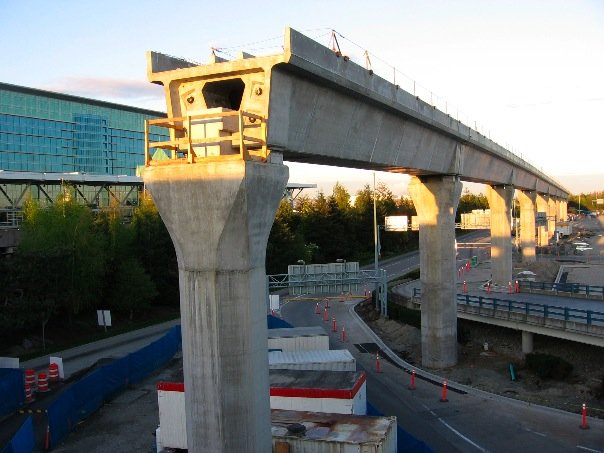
x=129, y=92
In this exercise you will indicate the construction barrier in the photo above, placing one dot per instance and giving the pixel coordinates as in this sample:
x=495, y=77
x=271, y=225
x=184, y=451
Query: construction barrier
x=87, y=395
x=11, y=390
x=23, y=440
x=53, y=372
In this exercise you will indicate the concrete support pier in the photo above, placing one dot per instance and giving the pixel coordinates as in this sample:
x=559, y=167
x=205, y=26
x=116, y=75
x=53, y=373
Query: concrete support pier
x=219, y=213
x=436, y=200
x=552, y=217
x=527, y=200
x=542, y=235
x=500, y=202
x=527, y=342
x=562, y=210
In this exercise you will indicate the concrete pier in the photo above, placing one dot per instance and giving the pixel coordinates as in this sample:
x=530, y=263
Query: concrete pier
x=542, y=234
x=527, y=342
x=219, y=213
x=552, y=217
x=436, y=200
x=500, y=202
x=527, y=200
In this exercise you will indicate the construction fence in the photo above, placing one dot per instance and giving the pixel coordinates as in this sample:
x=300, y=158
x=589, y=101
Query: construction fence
x=23, y=440
x=81, y=399
x=88, y=394
x=11, y=389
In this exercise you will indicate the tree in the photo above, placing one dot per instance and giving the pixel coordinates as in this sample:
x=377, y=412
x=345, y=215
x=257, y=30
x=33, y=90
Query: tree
x=468, y=202
x=62, y=255
x=285, y=245
x=341, y=197
x=154, y=247
x=128, y=286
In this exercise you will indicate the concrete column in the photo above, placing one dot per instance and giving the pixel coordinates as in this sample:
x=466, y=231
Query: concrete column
x=500, y=203
x=219, y=214
x=542, y=237
x=527, y=342
x=562, y=210
x=527, y=200
x=436, y=200
x=552, y=216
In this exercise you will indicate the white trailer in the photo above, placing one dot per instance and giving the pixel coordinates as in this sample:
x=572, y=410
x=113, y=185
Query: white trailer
x=334, y=360
x=298, y=339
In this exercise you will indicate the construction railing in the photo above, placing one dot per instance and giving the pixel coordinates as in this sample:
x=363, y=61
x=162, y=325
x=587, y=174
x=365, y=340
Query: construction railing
x=234, y=132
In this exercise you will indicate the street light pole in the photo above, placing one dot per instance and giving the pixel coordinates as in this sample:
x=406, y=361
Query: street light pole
x=375, y=243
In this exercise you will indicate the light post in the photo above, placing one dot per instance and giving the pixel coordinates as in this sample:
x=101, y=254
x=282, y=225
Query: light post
x=343, y=274
x=376, y=243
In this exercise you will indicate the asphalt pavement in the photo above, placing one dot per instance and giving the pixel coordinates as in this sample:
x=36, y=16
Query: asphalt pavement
x=471, y=420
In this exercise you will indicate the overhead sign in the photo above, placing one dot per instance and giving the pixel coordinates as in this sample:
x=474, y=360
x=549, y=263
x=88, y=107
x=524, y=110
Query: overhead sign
x=396, y=223
x=541, y=218
x=600, y=201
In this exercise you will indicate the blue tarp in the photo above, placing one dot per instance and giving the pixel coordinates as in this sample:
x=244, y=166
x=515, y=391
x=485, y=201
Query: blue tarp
x=404, y=441
x=277, y=323
x=11, y=390
x=23, y=440
x=88, y=394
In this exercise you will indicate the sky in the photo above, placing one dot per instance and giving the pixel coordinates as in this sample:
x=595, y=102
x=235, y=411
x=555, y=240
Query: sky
x=527, y=73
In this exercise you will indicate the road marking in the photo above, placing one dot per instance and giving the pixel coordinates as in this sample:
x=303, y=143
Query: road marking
x=588, y=449
x=474, y=444
x=462, y=436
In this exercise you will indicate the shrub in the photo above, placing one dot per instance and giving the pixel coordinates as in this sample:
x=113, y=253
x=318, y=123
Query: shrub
x=405, y=315
x=548, y=366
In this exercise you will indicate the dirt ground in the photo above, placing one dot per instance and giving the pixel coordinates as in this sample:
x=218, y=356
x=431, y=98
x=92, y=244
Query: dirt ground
x=489, y=369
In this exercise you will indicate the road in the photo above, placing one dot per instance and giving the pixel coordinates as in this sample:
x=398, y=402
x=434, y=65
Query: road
x=403, y=264
x=470, y=421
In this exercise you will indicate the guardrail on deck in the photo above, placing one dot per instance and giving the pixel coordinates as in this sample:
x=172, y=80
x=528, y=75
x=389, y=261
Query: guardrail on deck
x=567, y=289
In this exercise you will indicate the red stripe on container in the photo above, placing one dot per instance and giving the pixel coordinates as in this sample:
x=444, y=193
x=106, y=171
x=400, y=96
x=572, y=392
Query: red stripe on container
x=171, y=386
x=319, y=393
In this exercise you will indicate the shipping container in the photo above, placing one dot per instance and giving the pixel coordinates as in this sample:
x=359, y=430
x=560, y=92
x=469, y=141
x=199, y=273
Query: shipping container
x=298, y=339
x=172, y=431
x=335, y=360
x=341, y=392
x=302, y=432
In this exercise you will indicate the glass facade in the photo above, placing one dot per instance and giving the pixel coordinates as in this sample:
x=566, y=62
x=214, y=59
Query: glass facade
x=42, y=131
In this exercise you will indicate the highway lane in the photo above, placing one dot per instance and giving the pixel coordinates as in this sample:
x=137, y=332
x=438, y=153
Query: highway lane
x=471, y=421
x=408, y=262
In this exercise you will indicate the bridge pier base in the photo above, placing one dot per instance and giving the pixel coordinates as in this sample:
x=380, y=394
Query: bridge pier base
x=500, y=202
x=527, y=342
x=527, y=201
x=436, y=200
x=219, y=214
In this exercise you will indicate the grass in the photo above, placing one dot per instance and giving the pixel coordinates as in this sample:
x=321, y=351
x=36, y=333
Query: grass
x=82, y=331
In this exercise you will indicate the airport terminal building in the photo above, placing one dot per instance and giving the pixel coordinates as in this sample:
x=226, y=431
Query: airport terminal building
x=50, y=141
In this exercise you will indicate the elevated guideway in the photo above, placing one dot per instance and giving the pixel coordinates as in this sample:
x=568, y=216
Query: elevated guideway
x=324, y=109
x=231, y=124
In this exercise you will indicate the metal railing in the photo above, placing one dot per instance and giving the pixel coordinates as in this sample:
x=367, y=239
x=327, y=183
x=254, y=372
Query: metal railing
x=567, y=288
x=545, y=311
x=182, y=145
x=588, y=317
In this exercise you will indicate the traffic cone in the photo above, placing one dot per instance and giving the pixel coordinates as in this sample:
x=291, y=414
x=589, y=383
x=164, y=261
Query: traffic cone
x=378, y=366
x=444, y=399
x=412, y=385
x=584, y=424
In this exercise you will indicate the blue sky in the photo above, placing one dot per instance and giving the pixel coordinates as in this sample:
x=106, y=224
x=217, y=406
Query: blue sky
x=530, y=73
